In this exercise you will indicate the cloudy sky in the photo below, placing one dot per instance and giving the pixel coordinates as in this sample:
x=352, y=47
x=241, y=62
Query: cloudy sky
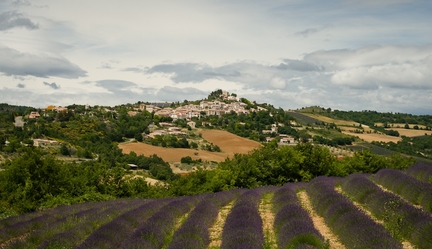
x=342, y=54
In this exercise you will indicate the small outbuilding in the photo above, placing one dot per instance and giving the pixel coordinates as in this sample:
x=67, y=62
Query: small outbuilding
x=133, y=166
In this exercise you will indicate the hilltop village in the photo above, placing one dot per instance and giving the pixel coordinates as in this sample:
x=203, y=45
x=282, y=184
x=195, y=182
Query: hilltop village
x=227, y=104
x=221, y=103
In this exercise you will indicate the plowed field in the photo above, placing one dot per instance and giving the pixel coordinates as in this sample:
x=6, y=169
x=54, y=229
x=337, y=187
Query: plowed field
x=228, y=142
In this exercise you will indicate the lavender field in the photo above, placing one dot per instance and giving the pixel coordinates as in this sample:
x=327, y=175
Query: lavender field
x=389, y=209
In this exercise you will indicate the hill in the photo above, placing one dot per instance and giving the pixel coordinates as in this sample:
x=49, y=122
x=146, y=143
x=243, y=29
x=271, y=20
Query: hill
x=389, y=209
x=81, y=153
x=398, y=132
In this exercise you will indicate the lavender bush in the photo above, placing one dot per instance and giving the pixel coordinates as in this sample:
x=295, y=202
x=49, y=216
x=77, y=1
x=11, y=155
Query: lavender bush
x=74, y=235
x=112, y=234
x=42, y=225
x=400, y=218
x=293, y=225
x=354, y=228
x=194, y=232
x=154, y=231
x=20, y=218
x=422, y=172
x=243, y=226
x=23, y=227
x=35, y=238
x=411, y=189
x=15, y=226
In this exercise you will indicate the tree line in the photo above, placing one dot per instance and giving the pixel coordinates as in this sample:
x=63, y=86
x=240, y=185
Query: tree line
x=37, y=180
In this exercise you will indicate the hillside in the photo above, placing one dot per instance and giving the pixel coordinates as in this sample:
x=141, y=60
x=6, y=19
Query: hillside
x=63, y=155
x=397, y=132
x=389, y=209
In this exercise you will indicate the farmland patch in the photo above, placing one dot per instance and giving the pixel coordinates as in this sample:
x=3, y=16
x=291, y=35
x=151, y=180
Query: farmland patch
x=303, y=118
x=400, y=125
x=230, y=144
x=332, y=120
x=370, y=137
x=412, y=132
x=171, y=154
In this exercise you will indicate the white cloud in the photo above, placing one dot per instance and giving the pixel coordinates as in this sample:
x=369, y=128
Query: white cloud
x=14, y=19
x=278, y=83
x=299, y=65
x=115, y=85
x=265, y=50
x=14, y=62
x=53, y=85
x=311, y=31
x=388, y=75
x=368, y=56
x=378, y=66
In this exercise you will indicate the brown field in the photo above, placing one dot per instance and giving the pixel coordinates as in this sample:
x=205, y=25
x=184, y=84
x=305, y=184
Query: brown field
x=171, y=154
x=411, y=132
x=229, y=144
x=369, y=137
x=331, y=120
x=400, y=125
x=343, y=124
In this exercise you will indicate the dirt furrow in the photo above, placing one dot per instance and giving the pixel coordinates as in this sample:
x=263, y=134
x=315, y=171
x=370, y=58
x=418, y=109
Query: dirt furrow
x=177, y=225
x=389, y=191
x=267, y=216
x=319, y=223
x=217, y=228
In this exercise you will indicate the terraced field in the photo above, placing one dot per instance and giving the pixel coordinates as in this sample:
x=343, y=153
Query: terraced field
x=390, y=209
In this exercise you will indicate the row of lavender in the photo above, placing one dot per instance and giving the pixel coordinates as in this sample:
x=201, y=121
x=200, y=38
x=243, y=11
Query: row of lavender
x=422, y=172
x=411, y=189
x=17, y=225
x=112, y=234
x=151, y=223
x=354, y=228
x=77, y=233
x=293, y=226
x=403, y=220
x=39, y=226
x=243, y=226
x=35, y=232
x=194, y=233
x=154, y=231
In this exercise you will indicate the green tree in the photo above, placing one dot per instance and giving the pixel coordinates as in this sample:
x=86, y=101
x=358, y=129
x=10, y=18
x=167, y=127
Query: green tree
x=31, y=179
x=186, y=159
x=193, y=145
x=138, y=137
x=64, y=150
